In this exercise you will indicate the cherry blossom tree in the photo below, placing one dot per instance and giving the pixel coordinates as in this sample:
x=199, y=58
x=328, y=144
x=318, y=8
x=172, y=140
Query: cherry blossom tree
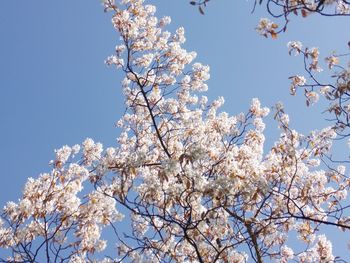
x=190, y=182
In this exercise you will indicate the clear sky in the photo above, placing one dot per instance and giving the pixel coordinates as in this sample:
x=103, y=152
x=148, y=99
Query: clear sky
x=56, y=90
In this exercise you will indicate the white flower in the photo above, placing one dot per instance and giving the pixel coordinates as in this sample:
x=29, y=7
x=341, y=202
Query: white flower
x=312, y=97
x=62, y=155
x=298, y=80
x=286, y=253
x=164, y=21
x=324, y=249
x=256, y=110
x=294, y=46
x=91, y=151
x=324, y=90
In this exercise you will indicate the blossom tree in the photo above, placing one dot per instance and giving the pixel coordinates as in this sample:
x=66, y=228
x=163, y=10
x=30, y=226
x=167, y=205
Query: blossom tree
x=192, y=183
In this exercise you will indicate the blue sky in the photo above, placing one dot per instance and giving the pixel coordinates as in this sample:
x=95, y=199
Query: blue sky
x=56, y=90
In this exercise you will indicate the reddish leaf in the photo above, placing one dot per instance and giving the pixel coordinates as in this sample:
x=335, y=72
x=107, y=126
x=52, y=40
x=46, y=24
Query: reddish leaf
x=304, y=13
x=273, y=34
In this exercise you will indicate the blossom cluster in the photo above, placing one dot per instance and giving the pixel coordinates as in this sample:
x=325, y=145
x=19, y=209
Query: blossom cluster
x=283, y=9
x=335, y=93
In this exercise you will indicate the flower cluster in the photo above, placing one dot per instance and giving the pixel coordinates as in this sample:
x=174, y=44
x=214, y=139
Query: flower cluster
x=283, y=9
x=267, y=28
x=336, y=93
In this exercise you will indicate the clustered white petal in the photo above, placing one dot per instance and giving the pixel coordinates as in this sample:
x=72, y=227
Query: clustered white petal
x=191, y=180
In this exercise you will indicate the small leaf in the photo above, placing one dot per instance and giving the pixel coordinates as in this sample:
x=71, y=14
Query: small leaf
x=274, y=26
x=273, y=34
x=304, y=13
x=188, y=184
x=200, y=10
